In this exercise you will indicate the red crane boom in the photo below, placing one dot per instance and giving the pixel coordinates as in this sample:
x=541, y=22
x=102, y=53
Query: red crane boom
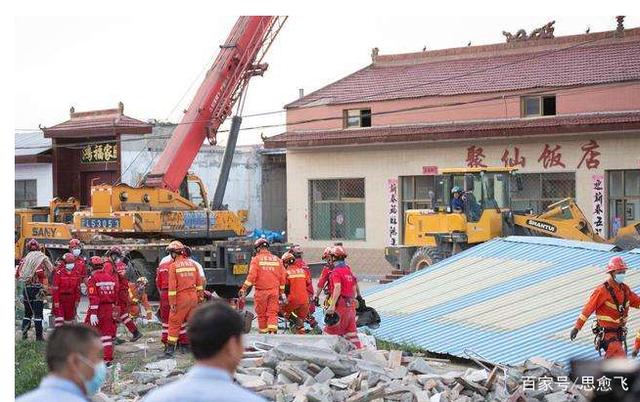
x=239, y=59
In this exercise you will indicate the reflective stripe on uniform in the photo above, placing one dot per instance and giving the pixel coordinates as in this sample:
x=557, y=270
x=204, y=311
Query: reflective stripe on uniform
x=107, y=343
x=187, y=269
x=199, y=288
x=607, y=319
x=582, y=317
x=294, y=276
x=173, y=292
x=271, y=326
x=172, y=338
x=105, y=283
x=247, y=283
x=269, y=263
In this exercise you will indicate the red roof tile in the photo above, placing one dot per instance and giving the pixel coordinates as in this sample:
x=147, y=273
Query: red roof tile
x=85, y=123
x=564, y=61
x=561, y=124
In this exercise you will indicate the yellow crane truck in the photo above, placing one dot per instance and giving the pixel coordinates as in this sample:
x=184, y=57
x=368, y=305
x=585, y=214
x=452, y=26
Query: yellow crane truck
x=172, y=203
x=434, y=234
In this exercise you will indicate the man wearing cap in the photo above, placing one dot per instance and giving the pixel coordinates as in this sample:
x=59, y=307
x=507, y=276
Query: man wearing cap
x=610, y=301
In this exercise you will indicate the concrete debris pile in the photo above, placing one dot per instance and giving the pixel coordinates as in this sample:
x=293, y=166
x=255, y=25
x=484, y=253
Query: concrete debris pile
x=288, y=372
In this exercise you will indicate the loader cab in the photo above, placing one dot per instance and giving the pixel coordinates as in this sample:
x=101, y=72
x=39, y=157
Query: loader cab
x=483, y=190
x=193, y=189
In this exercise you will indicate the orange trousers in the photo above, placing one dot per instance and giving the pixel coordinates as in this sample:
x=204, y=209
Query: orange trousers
x=267, y=307
x=301, y=311
x=614, y=349
x=186, y=302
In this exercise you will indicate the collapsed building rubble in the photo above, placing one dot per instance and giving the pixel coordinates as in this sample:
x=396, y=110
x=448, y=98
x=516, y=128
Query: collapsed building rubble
x=301, y=369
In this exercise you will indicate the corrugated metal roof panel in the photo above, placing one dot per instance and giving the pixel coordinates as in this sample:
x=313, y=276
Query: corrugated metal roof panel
x=31, y=143
x=507, y=299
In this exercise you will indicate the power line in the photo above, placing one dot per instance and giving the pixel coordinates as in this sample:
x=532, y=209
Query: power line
x=427, y=108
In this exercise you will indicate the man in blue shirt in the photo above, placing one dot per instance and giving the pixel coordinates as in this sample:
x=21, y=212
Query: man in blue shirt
x=76, y=369
x=215, y=332
x=457, y=203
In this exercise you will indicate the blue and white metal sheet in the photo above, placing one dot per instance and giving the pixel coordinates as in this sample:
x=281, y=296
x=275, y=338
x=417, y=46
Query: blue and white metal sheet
x=507, y=299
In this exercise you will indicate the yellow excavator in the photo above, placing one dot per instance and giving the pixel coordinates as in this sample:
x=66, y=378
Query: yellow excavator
x=431, y=235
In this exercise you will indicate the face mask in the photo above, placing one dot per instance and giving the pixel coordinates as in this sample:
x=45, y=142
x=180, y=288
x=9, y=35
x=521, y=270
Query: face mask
x=69, y=266
x=76, y=251
x=619, y=278
x=92, y=386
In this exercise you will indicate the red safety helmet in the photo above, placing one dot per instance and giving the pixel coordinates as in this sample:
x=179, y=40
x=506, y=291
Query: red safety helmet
x=33, y=245
x=326, y=253
x=117, y=250
x=68, y=258
x=338, y=252
x=288, y=258
x=296, y=250
x=261, y=242
x=74, y=243
x=175, y=247
x=96, y=261
x=616, y=264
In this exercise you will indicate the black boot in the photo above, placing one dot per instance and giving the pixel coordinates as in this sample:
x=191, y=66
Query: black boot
x=118, y=341
x=136, y=335
x=170, y=350
x=26, y=324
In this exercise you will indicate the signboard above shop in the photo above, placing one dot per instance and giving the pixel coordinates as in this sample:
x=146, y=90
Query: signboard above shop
x=95, y=153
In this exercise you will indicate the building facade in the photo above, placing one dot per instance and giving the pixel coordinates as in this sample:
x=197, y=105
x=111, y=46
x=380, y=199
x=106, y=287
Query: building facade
x=33, y=169
x=565, y=111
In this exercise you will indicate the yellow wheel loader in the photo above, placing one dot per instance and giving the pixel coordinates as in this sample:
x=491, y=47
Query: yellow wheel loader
x=431, y=235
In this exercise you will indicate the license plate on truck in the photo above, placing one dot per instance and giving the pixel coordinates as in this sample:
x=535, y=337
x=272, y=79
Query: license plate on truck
x=100, y=223
x=240, y=269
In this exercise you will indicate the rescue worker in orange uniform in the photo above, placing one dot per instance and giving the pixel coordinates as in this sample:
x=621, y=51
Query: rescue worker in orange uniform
x=34, y=271
x=268, y=276
x=185, y=291
x=162, y=283
x=65, y=290
x=138, y=298
x=297, y=252
x=102, y=287
x=343, y=298
x=610, y=301
x=296, y=289
x=323, y=281
x=114, y=262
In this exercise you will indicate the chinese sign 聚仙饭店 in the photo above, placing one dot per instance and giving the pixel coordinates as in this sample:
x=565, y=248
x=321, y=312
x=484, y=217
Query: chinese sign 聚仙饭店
x=107, y=152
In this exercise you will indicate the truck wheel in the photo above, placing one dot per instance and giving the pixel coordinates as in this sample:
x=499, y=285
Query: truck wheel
x=424, y=257
x=140, y=267
x=226, y=291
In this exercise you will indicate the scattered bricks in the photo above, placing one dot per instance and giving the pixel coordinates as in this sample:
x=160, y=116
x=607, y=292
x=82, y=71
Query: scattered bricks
x=340, y=395
x=369, y=395
x=162, y=365
x=283, y=379
x=463, y=398
x=491, y=378
x=420, y=366
x=398, y=372
x=325, y=375
x=251, y=362
x=344, y=382
x=288, y=371
x=475, y=375
x=558, y=397
x=319, y=393
x=456, y=390
x=395, y=359
x=267, y=377
x=373, y=379
x=373, y=356
x=249, y=381
x=517, y=396
x=145, y=377
x=309, y=381
x=314, y=368
x=143, y=389
x=430, y=384
x=472, y=386
x=163, y=381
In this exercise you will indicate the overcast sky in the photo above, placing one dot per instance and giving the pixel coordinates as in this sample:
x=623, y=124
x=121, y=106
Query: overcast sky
x=149, y=63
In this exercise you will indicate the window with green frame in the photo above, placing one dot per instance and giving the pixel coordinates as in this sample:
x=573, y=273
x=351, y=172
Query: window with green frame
x=337, y=209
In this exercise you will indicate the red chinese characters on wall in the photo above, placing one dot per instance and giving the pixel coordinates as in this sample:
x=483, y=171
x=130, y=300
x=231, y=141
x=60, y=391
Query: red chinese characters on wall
x=516, y=160
x=590, y=155
x=551, y=157
x=475, y=157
